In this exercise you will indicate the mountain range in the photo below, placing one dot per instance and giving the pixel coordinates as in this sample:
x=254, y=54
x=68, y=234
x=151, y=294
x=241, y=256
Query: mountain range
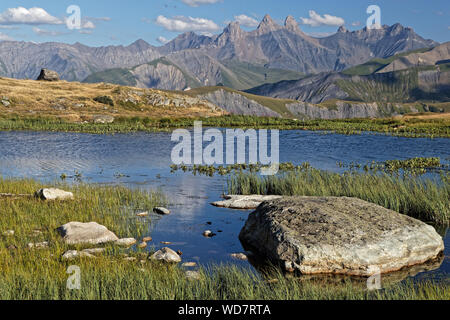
x=235, y=58
x=417, y=75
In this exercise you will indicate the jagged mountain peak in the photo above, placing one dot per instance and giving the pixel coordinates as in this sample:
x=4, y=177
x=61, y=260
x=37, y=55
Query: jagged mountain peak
x=140, y=45
x=291, y=24
x=342, y=29
x=267, y=25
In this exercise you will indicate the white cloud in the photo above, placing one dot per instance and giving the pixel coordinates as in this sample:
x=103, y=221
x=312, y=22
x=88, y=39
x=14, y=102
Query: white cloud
x=83, y=31
x=88, y=25
x=43, y=32
x=5, y=37
x=183, y=24
x=21, y=15
x=356, y=23
x=316, y=20
x=162, y=40
x=196, y=3
x=246, y=21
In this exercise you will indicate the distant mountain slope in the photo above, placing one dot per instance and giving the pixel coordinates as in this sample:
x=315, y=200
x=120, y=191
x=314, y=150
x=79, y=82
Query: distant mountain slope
x=270, y=46
x=424, y=83
x=192, y=69
x=427, y=79
x=73, y=62
x=436, y=56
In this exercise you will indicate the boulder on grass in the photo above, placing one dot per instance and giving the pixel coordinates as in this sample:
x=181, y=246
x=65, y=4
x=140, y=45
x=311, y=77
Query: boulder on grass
x=54, y=194
x=86, y=233
x=48, y=75
x=166, y=255
x=126, y=242
x=318, y=235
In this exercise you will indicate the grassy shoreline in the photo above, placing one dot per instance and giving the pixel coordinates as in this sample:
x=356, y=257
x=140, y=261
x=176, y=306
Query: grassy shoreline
x=27, y=274
x=422, y=199
x=405, y=127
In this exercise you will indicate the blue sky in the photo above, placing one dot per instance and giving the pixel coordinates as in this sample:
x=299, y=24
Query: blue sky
x=114, y=22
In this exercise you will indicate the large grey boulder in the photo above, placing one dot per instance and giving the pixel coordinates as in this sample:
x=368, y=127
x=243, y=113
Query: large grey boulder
x=243, y=202
x=314, y=235
x=86, y=233
x=54, y=194
x=48, y=75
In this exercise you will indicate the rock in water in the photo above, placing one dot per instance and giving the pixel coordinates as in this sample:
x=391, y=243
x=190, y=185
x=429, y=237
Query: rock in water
x=54, y=194
x=243, y=202
x=349, y=236
x=86, y=233
x=166, y=255
x=48, y=75
x=161, y=210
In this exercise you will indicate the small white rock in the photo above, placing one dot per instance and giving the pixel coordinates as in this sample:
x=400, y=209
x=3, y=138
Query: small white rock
x=166, y=255
x=126, y=242
x=8, y=233
x=39, y=245
x=54, y=194
x=73, y=254
x=161, y=210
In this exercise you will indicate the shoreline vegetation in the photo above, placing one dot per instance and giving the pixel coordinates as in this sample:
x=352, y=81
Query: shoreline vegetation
x=123, y=274
x=417, y=126
x=424, y=199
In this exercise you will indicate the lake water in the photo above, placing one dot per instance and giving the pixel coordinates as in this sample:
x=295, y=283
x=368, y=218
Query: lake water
x=142, y=160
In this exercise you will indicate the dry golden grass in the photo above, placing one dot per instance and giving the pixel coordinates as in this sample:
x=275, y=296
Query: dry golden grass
x=74, y=101
x=427, y=116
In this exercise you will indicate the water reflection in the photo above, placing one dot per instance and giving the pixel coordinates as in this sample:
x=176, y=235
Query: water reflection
x=142, y=160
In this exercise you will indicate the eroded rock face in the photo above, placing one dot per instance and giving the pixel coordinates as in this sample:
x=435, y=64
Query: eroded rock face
x=54, y=194
x=314, y=235
x=243, y=202
x=48, y=75
x=86, y=233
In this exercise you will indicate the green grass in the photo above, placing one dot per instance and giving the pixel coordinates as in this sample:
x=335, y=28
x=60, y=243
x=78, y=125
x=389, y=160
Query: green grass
x=413, y=128
x=30, y=274
x=425, y=199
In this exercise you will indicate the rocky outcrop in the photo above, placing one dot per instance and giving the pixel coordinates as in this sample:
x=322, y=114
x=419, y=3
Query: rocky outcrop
x=346, y=110
x=53, y=194
x=314, y=235
x=86, y=233
x=103, y=119
x=48, y=75
x=236, y=103
x=243, y=202
x=161, y=76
